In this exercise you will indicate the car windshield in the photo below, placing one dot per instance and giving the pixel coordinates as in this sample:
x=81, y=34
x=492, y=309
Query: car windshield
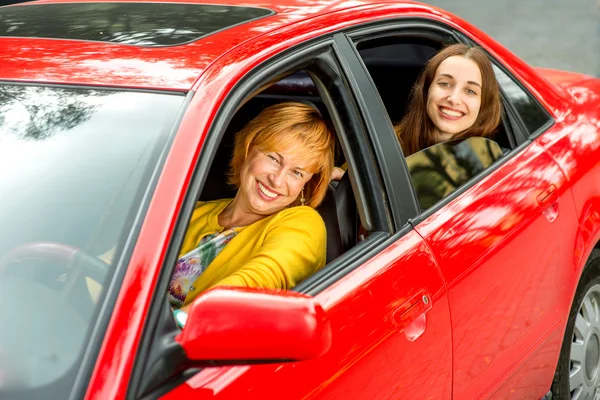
x=74, y=164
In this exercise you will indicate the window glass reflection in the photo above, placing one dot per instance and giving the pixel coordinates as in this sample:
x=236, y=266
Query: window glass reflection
x=532, y=114
x=439, y=170
x=141, y=24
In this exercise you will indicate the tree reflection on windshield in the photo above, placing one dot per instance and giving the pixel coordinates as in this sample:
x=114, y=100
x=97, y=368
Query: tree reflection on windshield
x=36, y=113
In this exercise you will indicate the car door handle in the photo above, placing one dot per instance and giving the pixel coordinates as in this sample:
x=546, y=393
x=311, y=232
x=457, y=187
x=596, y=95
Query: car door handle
x=548, y=201
x=548, y=197
x=411, y=318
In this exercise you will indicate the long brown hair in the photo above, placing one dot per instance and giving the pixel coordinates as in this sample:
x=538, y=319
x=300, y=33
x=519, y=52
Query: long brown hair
x=416, y=130
x=278, y=126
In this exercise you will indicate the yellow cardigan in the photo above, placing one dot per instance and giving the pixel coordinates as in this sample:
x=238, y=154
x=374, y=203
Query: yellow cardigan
x=276, y=252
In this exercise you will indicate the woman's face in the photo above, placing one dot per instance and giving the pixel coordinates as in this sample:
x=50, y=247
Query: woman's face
x=270, y=181
x=454, y=97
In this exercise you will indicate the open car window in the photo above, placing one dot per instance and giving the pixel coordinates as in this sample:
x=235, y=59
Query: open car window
x=394, y=65
x=340, y=209
x=439, y=170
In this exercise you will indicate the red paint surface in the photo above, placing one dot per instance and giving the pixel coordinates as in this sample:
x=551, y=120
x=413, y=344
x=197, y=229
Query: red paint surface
x=499, y=293
x=370, y=356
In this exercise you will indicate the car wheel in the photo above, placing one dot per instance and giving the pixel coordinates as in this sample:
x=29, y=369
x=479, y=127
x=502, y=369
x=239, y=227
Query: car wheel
x=577, y=375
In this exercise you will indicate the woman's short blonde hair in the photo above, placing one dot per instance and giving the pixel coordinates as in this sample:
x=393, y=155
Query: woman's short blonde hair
x=280, y=126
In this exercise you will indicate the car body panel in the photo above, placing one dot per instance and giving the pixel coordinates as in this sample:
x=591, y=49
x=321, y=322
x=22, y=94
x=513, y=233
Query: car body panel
x=576, y=149
x=107, y=64
x=563, y=78
x=110, y=65
x=362, y=305
x=496, y=249
x=158, y=68
x=364, y=308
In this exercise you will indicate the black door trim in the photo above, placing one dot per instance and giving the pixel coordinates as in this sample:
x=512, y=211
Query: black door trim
x=400, y=196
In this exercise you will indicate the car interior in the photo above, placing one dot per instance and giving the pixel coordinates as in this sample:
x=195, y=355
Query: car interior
x=394, y=68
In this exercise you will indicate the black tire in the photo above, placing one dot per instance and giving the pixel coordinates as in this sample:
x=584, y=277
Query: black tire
x=588, y=286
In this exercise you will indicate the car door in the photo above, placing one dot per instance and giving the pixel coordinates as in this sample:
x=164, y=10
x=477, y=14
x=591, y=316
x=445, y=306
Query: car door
x=385, y=297
x=504, y=245
x=500, y=249
x=391, y=338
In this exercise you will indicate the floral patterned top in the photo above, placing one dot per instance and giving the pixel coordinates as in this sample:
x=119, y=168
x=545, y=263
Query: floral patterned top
x=191, y=265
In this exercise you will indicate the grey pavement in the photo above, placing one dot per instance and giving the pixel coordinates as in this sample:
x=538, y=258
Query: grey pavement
x=562, y=34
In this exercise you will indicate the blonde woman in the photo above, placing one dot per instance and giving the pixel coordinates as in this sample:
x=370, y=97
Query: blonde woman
x=268, y=235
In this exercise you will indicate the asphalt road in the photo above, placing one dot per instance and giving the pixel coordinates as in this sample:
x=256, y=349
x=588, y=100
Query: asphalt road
x=562, y=34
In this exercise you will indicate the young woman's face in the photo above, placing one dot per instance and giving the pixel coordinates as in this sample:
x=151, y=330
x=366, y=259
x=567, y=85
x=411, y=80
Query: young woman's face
x=270, y=181
x=454, y=97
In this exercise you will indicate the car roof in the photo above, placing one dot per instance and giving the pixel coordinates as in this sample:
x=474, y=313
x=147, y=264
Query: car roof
x=176, y=66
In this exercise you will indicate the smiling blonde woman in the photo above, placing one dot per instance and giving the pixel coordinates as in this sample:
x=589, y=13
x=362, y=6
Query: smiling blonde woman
x=268, y=235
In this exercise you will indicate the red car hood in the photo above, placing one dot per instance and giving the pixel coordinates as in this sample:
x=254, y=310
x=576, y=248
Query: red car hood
x=580, y=89
x=564, y=78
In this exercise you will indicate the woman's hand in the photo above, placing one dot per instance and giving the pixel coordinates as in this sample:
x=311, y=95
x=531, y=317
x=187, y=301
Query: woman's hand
x=337, y=174
x=180, y=319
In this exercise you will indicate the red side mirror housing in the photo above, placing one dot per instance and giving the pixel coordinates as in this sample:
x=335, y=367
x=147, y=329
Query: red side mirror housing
x=241, y=324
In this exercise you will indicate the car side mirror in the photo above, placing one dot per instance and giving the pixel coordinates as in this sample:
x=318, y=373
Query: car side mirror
x=237, y=325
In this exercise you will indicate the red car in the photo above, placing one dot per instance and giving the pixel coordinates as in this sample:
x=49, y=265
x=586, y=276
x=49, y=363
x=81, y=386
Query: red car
x=468, y=270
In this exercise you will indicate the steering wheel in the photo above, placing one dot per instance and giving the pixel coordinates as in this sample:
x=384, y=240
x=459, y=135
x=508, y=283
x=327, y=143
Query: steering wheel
x=44, y=331
x=56, y=252
x=71, y=285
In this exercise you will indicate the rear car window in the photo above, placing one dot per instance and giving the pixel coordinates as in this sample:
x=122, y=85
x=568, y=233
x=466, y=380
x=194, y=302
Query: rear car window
x=531, y=112
x=75, y=164
x=140, y=24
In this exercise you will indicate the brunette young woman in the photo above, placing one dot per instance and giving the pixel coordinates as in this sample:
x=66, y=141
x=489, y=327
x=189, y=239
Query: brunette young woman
x=456, y=96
